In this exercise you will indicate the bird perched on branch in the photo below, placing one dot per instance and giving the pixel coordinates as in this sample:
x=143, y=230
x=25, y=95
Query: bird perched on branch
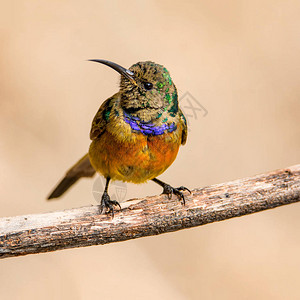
x=135, y=134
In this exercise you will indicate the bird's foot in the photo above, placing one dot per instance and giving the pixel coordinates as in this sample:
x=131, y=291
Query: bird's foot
x=107, y=205
x=169, y=191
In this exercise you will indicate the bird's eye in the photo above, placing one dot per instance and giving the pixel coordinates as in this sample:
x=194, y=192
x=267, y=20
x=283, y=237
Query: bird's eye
x=148, y=85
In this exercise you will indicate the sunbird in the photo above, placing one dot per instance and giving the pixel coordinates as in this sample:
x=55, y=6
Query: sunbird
x=135, y=134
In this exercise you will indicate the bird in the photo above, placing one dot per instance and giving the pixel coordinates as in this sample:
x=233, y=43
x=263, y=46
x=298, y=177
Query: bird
x=135, y=134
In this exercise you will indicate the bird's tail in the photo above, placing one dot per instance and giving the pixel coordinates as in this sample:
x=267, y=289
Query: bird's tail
x=82, y=168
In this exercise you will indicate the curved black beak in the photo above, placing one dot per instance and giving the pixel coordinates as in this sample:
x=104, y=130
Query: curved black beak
x=125, y=72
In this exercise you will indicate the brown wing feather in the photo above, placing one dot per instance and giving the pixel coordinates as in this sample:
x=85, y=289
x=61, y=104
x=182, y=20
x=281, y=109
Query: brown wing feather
x=184, y=125
x=101, y=118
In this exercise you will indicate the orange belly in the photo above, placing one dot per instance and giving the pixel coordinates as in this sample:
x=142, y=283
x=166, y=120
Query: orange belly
x=140, y=159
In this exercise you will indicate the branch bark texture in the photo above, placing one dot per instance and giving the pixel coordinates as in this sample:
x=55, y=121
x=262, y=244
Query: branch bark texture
x=83, y=226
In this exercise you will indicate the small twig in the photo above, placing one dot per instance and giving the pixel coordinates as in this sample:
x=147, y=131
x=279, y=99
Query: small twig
x=150, y=216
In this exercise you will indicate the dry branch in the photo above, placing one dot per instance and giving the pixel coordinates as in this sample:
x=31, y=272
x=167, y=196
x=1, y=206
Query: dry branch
x=81, y=227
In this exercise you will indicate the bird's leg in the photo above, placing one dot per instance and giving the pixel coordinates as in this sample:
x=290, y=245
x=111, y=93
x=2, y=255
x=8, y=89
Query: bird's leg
x=169, y=190
x=107, y=205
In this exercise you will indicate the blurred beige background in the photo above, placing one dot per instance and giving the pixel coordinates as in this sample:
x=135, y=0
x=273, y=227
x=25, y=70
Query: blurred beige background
x=239, y=59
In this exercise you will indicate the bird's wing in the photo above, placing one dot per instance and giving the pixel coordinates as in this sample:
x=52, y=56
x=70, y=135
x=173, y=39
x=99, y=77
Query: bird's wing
x=184, y=127
x=82, y=168
x=101, y=118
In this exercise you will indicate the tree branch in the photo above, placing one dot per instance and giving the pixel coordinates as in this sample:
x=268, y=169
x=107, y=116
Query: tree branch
x=83, y=226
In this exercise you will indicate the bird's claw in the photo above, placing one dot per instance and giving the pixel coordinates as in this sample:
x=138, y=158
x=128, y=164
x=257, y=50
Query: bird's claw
x=169, y=191
x=107, y=205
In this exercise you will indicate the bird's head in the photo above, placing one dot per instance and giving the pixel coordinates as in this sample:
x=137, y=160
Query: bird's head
x=146, y=89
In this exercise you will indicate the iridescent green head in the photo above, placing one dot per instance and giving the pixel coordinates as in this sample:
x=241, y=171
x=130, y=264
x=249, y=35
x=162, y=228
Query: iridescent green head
x=146, y=89
x=152, y=88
